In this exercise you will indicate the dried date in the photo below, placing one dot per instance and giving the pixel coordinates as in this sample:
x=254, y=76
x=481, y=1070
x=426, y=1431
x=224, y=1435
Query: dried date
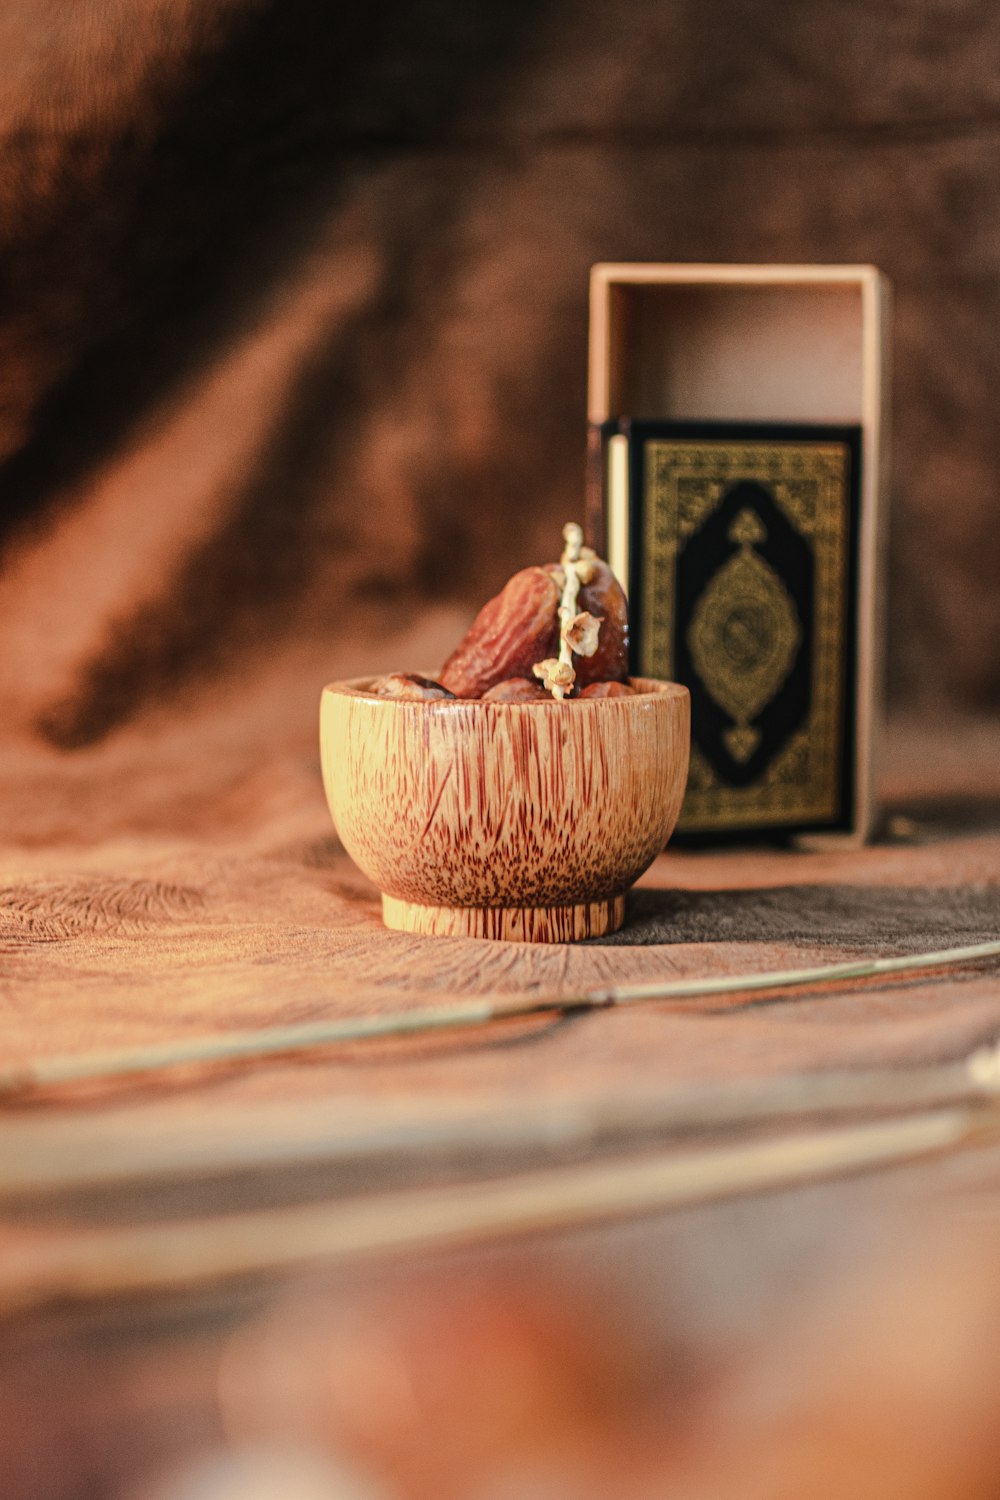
x=603, y=597
x=608, y=690
x=409, y=685
x=517, y=690
x=515, y=629
x=553, y=632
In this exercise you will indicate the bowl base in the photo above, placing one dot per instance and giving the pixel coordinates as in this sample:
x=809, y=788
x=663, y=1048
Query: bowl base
x=518, y=924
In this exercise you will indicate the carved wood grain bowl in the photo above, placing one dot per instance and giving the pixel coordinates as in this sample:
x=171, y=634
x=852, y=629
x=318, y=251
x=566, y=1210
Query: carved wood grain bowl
x=505, y=820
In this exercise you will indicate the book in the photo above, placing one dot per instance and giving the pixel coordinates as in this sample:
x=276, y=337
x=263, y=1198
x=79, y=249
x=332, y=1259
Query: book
x=737, y=544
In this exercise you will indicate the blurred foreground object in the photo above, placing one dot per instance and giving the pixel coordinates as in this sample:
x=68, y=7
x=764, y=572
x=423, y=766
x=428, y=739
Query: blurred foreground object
x=491, y=1380
x=261, y=1473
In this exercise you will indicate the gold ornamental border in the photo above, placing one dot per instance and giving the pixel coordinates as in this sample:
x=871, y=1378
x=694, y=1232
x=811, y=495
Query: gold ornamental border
x=685, y=482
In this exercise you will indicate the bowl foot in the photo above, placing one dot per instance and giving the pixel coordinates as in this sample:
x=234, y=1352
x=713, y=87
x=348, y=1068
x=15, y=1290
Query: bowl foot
x=519, y=924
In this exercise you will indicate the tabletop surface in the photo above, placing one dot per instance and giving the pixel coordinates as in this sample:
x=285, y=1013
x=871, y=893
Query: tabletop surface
x=152, y=893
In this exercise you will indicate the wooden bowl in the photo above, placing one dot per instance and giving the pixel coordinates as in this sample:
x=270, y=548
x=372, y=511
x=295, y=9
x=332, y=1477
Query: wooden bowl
x=505, y=820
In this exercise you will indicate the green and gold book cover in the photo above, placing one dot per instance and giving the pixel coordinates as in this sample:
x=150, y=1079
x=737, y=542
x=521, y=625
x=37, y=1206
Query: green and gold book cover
x=739, y=549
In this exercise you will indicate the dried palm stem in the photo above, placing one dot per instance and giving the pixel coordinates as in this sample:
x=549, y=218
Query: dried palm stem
x=159, y=1257
x=274, y=1041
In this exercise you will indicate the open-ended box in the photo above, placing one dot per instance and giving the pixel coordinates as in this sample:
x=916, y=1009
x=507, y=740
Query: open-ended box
x=737, y=478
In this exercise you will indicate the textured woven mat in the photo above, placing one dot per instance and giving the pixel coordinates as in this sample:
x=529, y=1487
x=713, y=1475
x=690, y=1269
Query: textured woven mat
x=185, y=879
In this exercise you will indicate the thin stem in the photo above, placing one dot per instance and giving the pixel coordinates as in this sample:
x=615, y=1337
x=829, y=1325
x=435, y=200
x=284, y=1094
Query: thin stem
x=459, y=1015
x=862, y=968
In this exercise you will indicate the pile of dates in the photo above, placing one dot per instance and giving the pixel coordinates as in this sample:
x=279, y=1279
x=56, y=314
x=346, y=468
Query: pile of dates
x=553, y=633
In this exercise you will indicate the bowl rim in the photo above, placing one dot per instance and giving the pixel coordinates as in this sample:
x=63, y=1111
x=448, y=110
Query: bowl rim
x=360, y=688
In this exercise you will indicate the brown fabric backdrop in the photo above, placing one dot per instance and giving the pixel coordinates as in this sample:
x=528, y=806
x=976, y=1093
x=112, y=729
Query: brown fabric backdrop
x=292, y=346
x=292, y=306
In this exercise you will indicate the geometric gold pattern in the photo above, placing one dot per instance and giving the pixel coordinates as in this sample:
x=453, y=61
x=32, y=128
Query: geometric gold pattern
x=744, y=635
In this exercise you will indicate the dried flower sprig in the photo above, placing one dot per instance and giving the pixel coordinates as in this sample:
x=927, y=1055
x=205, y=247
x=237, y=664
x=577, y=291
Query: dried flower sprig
x=578, y=632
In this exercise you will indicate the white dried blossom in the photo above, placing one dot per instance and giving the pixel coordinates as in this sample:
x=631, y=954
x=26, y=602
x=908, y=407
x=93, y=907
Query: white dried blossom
x=557, y=677
x=582, y=635
x=578, y=632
